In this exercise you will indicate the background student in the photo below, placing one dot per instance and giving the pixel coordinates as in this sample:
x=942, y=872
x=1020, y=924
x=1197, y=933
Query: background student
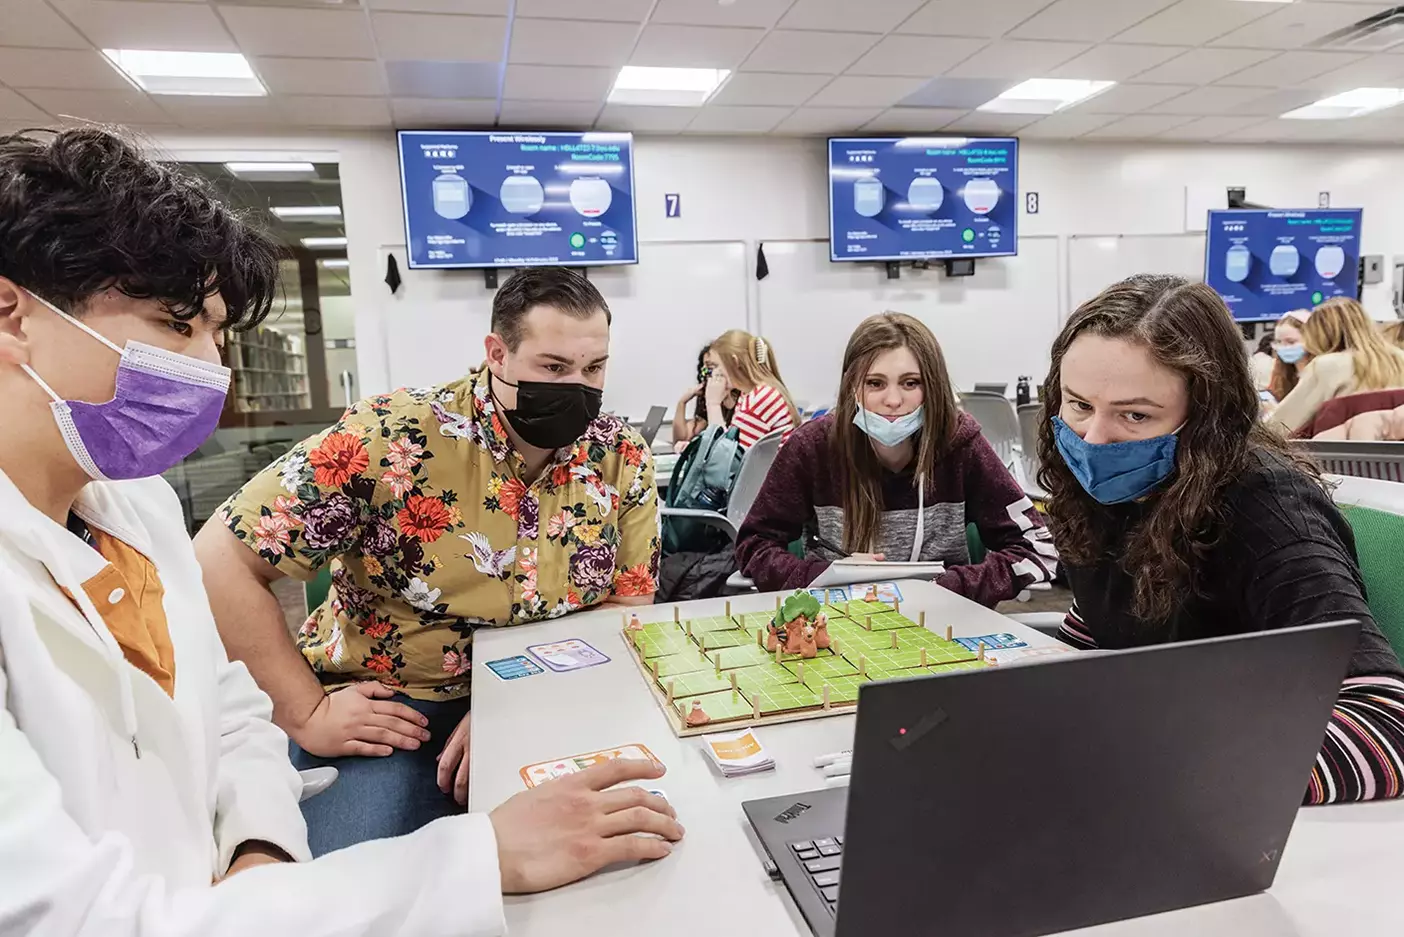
x=1179, y=515
x=686, y=428
x=748, y=368
x=1289, y=354
x=1262, y=362
x=896, y=471
x=1348, y=356
x=1393, y=333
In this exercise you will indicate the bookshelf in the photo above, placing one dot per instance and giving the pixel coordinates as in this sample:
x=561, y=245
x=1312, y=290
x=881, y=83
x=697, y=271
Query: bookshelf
x=270, y=371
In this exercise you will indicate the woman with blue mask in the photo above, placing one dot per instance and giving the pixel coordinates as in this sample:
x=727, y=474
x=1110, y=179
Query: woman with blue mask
x=1289, y=354
x=895, y=472
x=1178, y=515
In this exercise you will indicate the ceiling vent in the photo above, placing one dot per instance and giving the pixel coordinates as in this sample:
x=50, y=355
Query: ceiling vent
x=1377, y=33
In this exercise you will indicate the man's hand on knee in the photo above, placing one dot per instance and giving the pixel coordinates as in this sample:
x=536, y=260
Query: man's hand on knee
x=360, y=720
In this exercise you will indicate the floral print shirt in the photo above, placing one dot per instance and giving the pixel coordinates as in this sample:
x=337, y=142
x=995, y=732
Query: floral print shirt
x=416, y=501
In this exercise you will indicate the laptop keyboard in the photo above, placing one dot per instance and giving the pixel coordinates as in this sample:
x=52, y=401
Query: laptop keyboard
x=821, y=859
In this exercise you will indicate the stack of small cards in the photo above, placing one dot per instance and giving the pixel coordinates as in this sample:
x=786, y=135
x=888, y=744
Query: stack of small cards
x=737, y=753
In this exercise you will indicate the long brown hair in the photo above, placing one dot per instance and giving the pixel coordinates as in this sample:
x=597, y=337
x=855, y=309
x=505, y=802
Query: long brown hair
x=1185, y=327
x=859, y=471
x=1285, y=376
x=1341, y=324
x=750, y=361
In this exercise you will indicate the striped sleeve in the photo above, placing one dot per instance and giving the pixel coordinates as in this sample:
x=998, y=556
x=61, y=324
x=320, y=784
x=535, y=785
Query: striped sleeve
x=759, y=412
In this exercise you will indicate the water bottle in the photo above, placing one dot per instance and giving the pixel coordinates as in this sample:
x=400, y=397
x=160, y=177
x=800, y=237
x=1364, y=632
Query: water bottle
x=1021, y=393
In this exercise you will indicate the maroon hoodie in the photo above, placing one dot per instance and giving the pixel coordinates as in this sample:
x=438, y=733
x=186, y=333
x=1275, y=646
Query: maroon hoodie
x=801, y=496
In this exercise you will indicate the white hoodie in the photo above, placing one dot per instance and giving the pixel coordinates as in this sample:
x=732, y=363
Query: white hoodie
x=120, y=806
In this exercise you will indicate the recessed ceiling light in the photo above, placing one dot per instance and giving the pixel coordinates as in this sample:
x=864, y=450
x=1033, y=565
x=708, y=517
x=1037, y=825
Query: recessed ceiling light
x=1045, y=95
x=307, y=212
x=323, y=243
x=336, y=263
x=1265, y=1
x=1349, y=104
x=203, y=73
x=273, y=171
x=668, y=87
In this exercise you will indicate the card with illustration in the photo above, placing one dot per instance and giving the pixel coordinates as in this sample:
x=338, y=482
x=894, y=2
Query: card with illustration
x=545, y=771
x=572, y=654
x=875, y=592
x=514, y=668
x=831, y=595
x=992, y=642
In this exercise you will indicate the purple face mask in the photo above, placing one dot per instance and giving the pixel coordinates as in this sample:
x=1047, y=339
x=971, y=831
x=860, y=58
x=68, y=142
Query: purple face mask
x=165, y=406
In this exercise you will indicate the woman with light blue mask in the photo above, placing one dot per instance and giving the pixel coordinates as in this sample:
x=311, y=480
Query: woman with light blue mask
x=896, y=472
x=1289, y=354
x=1178, y=515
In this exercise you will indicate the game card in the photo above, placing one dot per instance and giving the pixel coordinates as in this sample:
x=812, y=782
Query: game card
x=514, y=668
x=831, y=594
x=992, y=642
x=545, y=771
x=573, y=654
x=875, y=592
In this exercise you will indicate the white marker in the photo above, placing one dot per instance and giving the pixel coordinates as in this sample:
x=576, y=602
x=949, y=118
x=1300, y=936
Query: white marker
x=838, y=769
x=840, y=781
x=823, y=761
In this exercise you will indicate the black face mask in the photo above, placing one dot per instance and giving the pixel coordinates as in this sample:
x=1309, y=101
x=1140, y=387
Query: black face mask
x=552, y=415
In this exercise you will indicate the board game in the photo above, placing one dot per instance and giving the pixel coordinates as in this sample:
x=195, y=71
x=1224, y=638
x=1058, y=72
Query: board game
x=805, y=659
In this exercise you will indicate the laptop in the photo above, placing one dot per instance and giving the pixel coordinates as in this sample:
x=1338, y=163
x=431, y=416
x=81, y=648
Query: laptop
x=1043, y=797
x=651, y=423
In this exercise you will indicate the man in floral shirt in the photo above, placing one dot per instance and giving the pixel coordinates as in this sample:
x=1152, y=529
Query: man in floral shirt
x=501, y=498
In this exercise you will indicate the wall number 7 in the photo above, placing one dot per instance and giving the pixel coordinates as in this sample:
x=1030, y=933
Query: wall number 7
x=672, y=205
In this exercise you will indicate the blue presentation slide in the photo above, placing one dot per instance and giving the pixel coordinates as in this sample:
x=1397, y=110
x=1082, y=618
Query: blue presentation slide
x=906, y=198
x=1265, y=263
x=509, y=199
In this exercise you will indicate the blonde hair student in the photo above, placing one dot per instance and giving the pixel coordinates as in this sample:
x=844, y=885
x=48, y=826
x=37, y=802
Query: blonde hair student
x=749, y=367
x=1348, y=356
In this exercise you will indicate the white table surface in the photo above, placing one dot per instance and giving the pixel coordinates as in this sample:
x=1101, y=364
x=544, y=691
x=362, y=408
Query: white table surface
x=1341, y=875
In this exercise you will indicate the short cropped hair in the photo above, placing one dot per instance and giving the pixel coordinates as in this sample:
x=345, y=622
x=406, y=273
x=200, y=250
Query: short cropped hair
x=558, y=287
x=86, y=210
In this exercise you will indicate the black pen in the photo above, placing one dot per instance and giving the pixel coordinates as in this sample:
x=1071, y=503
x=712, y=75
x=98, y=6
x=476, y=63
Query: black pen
x=819, y=541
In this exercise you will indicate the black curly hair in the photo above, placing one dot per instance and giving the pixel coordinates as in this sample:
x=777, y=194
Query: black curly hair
x=86, y=210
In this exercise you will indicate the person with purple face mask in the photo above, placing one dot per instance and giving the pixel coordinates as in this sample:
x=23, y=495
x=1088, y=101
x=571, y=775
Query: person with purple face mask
x=143, y=782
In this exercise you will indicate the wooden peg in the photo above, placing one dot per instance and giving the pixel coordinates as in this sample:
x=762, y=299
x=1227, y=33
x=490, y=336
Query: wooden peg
x=921, y=618
x=655, y=670
x=760, y=637
x=923, y=657
x=677, y=615
x=863, y=667
x=894, y=640
x=779, y=649
x=728, y=608
x=702, y=652
x=826, y=596
x=689, y=627
x=718, y=663
x=897, y=606
x=799, y=671
x=846, y=603
x=672, y=691
x=982, y=651
x=950, y=633
x=777, y=603
x=868, y=622
x=755, y=706
x=834, y=646
x=733, y=681
x=827, y=704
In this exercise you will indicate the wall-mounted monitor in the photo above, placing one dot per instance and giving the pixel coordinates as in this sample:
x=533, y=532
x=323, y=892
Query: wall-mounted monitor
x=518, y=199
x=1267, y=262
x=908, y=198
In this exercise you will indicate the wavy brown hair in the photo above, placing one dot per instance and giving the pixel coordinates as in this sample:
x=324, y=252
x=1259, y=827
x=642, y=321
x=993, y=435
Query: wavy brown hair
x=1186, y=327
x=859, y=471
x=1286, y=376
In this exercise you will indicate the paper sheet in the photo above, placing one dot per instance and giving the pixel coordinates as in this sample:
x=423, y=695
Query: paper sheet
x=845, y=572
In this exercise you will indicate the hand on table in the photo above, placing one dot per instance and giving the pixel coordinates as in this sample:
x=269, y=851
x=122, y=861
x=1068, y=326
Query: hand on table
x=453, y=761
x=360, y=720
x=574, y=826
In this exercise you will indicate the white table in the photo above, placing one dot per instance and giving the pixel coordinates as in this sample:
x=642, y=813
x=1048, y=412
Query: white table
x=1342, y=872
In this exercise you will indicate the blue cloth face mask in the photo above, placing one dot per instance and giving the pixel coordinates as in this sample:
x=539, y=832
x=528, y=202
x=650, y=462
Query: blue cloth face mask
x=887, y=432
x=1291, y=354
x=1116, y=472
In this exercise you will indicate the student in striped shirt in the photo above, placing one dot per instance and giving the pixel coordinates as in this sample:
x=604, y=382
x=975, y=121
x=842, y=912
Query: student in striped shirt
x=1178, y=515
x=748, y=367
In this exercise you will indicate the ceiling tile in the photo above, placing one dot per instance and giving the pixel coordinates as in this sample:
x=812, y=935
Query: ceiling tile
x=694, y=46
x=1130, y=99
x=548, y=114
x=51, y=68
x=437, y=38
x=618, y=11
x=856, y=91
x=1274, y=103
x=1066, y=125
x=763, y=13
x=557, y=83
x=646, y=119
x=109, y=107
x=470, y=7
x=323, y=34
x=915, y=56
x=117, y=24
x=1373, y=72
x=1082, y=20
x=872, y=16
x=977, y=122
x=808, y=52
x=964, y=93
x=1137, y=127
x=33, y=23
x=1292, y=26
x=816, y=120
x=1191, y=22
x=1017, y=59
x=1112, y=62
x=453, y=80
x=324, y=111
x=568, y=42
x=1291, y=68
x=1200, y=102
x=430, y=113
x=769, y=88
x=321, y=76
x=14, y=107
x=722, y=119
x=1201, y=66
x=964, y=18
x=913, y=119
x=1205, y=128
x=215, y=113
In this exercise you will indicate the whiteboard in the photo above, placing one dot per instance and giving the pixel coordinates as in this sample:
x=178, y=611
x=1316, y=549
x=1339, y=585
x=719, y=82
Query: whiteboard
x=681, y=296
x=1094, y=263
x=993, y=326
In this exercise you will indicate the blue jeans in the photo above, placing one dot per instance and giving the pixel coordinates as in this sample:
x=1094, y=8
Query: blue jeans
x=376, y=798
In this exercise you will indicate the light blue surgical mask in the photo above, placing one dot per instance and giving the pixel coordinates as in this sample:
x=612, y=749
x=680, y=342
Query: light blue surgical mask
x=1291, y=354
x=1116, y=472
x=887, y=432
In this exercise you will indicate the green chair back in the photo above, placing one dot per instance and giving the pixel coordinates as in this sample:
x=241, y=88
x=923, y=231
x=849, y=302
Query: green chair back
x=974, y=544
x=1378, y=536
x=315, y=589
